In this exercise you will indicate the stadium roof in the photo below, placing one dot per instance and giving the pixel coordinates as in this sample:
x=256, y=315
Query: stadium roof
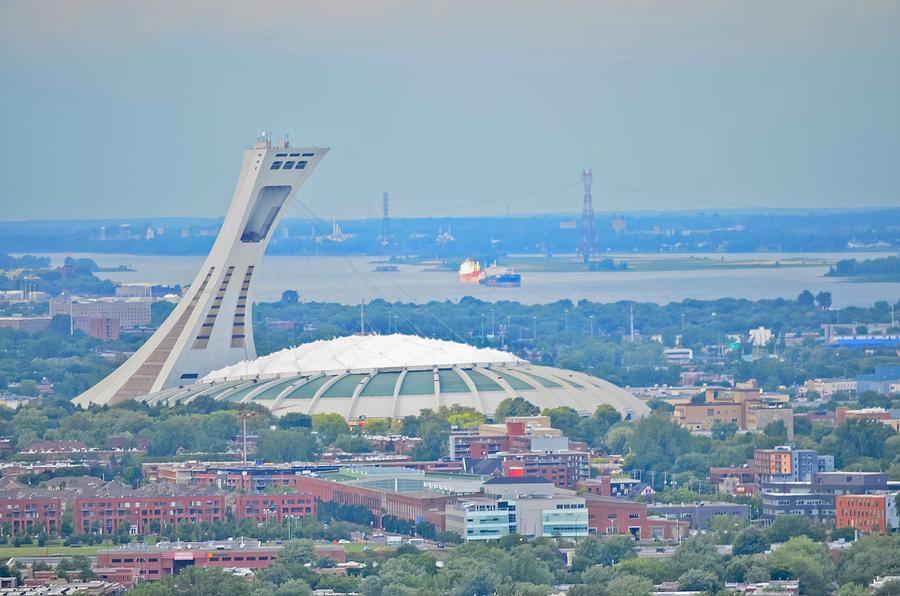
x=363, y=353
x=399, y=375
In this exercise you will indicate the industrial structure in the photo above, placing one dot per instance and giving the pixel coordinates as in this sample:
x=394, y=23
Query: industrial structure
x=589, y=244
x=211, y=326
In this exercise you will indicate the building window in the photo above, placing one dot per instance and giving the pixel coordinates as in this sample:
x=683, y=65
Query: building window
x=275, y=165
x=301, y=165
x=309, y=155
x=288, y=165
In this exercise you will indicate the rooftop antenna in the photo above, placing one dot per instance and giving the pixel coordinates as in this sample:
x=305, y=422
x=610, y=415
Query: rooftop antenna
x=589, y=242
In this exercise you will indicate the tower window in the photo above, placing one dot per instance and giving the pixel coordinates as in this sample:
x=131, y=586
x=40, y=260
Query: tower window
x=288, y=165
x=295, y=155
x=281, y=155
x=309, y=155
x=275, y=165
x=301, y=165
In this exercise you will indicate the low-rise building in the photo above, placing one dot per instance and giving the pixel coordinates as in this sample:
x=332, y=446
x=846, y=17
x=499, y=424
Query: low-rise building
x=787, y=464
x=826, y=388
x=155, y=562
x=869, y=514
x=541, y=509
x=30, y=512
x=274, y=508
x=883, y=380
x=411, y=495
x=565, y=468
x=746, y=406
x=816, y=498
x=26, y=324
x=700, y=514
x=144, y=514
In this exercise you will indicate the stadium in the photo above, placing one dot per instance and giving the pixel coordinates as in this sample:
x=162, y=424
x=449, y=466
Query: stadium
x=391, y=376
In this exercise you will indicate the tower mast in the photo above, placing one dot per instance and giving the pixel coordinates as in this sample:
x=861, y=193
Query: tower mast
x=589, y=244
x=387, y=240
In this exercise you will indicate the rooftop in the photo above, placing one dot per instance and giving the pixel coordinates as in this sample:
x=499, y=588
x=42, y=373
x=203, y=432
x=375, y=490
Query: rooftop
x=364, y=353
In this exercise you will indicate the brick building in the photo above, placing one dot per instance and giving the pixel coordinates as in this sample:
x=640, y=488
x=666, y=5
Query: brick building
x=144, y=514
x=870, y=514
x=274, y=508
x=564, y=468
x=410, y=505
x=612, y=516
x=29, y=514
x=155, y=562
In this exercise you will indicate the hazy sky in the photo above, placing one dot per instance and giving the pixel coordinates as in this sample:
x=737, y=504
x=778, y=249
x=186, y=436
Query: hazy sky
x=133, y=109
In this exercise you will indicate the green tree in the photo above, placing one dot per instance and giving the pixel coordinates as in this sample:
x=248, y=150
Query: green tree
x=750, y=541
x=801, y=558
x=294, y=420
x=286, y=445
x=861, y=438
x=196, y=581
x=806, y=299
x=566, y=419
x=852, y=590
x=787, y=526
x=723, y=431
x=823, y=299
x=869, y=557
x=329, y=427
x=697, y=580
x=726, y=527
x=593, y=551
x=516, y=406
x=656, y=442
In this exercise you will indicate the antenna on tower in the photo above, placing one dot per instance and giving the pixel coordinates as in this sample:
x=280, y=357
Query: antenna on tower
x=387, y=240
x=589, y=244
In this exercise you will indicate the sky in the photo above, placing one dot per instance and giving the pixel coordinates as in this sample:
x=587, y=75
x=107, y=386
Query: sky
x=115, y=109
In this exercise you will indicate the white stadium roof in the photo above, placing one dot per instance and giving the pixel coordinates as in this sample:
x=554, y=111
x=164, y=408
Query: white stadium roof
x=363, y=353
x=398, y=375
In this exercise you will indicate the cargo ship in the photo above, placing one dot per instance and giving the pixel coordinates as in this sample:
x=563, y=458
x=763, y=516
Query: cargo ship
x=501, y=278
x=470, y=271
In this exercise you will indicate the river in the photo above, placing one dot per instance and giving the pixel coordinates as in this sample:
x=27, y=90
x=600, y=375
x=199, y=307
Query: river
x=349, y=280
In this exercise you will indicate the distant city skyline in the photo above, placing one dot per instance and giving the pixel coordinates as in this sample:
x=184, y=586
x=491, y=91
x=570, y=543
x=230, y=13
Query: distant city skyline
x=114, y=110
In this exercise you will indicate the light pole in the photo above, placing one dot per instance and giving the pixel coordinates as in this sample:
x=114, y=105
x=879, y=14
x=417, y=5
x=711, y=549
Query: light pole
x=533, y=327
x=482, y=326
x=492, y=321
x=591, y=318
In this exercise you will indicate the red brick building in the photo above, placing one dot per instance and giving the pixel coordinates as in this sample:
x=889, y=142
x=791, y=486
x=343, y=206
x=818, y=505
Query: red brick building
x=139, y=512
x=612, y=516
x=153, y=563
x=870, y=514
x=565, y=469
x=411, y=507
x=274, y=508
x=30, y=514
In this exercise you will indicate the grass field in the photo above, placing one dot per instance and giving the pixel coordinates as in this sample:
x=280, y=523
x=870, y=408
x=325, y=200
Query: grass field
x=50, y=550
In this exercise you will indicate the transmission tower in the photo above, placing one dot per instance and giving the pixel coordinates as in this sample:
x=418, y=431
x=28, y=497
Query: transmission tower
x=387, y=240
x=589, y=244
